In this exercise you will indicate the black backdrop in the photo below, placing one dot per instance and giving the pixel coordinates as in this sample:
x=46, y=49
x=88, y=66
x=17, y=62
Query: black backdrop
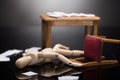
x=20, y=25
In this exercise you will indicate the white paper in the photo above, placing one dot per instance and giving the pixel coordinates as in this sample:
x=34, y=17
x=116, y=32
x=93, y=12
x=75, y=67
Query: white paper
x=68, y=78
x=33, y=49
x=30, y=73
x=10, y=52
x=56, y=14
x=4, y=58
x=62, y=14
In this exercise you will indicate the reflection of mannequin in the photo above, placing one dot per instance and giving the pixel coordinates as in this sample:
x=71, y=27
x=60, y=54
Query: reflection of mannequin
x=48, y=55
x=48, y=71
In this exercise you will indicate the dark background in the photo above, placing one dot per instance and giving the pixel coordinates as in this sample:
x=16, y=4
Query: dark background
x=20, y=24
x=20, y=27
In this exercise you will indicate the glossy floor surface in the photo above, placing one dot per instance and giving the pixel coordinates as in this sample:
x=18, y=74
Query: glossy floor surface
x=50, y=71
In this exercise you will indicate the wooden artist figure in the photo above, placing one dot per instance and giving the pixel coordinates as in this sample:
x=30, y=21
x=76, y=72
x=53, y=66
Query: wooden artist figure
x=59, y=51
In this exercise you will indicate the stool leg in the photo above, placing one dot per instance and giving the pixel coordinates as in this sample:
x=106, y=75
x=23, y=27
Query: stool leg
x=95, y=28
x=48, y=35
x=87, y=30
x=43, y=34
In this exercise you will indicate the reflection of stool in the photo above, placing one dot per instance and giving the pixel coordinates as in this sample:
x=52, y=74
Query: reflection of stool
x=88, y=74
x=93, y=52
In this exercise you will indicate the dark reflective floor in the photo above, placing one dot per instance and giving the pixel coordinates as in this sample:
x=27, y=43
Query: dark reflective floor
x=51, y=71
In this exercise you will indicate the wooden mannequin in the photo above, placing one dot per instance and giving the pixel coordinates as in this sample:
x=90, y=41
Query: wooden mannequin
x=59, y=51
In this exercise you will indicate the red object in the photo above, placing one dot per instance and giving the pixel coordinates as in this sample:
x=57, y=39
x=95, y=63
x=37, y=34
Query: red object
x=92, y=48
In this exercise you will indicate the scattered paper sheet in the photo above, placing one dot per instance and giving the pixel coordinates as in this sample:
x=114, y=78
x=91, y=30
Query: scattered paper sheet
x=30, y=73
x=33, y=49
x=10, y=52
x=4, y=58
x=62, y=14
x=68, y=78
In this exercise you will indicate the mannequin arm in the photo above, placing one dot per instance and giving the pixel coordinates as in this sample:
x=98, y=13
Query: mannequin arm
x=70, y=52
x=67, y=61
x=60, y=46
x=64, y=50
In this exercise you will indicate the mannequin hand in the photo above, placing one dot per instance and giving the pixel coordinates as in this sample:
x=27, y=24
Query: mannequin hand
x=60, y=46
x=78, y=52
